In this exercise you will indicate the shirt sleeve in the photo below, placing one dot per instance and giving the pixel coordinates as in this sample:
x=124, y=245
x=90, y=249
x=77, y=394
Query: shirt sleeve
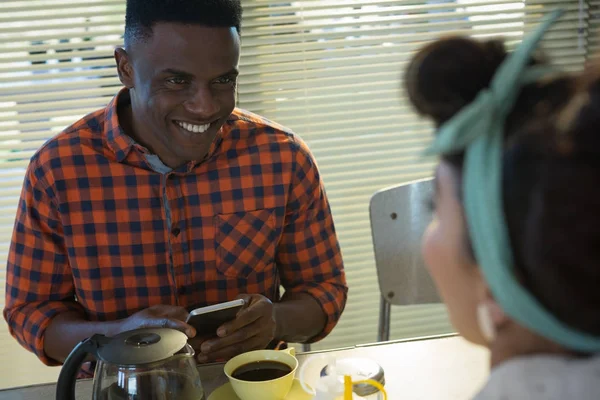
x=39, y=283
x=309, y=254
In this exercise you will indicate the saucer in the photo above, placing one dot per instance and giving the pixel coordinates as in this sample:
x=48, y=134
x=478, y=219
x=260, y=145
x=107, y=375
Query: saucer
x=226, y=392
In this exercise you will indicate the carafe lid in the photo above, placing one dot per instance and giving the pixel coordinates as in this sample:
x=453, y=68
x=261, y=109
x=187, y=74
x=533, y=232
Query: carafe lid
x=142, y=346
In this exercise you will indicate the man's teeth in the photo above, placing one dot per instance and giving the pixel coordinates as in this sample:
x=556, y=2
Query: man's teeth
x=194, y=128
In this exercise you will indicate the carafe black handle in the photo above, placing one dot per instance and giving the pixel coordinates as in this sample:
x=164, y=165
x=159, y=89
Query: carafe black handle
x=65, y=388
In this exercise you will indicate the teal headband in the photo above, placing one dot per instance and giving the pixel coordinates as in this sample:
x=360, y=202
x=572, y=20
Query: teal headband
x=478, y=130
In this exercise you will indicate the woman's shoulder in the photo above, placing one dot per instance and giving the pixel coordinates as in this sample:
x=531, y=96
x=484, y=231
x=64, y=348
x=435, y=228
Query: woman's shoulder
x=547, y=377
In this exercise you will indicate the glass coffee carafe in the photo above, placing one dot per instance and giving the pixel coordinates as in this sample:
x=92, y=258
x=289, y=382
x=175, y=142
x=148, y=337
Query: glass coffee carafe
x=144, y=364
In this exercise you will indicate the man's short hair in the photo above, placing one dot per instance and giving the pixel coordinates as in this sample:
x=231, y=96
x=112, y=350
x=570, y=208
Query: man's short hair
x=142, y=15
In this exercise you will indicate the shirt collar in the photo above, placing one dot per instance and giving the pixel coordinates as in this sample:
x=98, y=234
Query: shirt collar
x=118, y=141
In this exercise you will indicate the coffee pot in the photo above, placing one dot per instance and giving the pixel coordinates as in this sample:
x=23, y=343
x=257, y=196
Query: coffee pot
x=143, y=364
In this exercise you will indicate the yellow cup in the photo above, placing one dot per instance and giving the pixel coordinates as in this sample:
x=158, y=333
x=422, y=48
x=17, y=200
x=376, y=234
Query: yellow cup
x=275, y=389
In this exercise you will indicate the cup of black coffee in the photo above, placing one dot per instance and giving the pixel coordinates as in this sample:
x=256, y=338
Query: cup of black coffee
x=262, y=374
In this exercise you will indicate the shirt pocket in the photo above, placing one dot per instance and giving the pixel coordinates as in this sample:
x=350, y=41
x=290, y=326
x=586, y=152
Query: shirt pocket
x=245, y=242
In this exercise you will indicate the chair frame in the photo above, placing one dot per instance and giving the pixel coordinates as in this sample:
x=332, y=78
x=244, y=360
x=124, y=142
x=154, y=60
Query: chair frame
x=398, y=219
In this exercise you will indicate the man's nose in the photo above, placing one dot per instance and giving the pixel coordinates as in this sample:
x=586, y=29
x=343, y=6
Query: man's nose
x=204, y=105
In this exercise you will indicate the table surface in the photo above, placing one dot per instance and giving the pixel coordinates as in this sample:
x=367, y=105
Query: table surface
x=441, y=367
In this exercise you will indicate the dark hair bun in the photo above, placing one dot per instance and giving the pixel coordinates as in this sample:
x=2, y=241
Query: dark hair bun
x=448, y=74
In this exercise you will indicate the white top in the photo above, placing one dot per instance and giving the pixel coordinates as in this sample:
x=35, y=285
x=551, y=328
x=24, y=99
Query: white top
x=544, y=377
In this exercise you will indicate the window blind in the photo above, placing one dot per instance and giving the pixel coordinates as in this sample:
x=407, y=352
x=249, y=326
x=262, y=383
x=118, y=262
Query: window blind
x=594, y=29
x=328, y=69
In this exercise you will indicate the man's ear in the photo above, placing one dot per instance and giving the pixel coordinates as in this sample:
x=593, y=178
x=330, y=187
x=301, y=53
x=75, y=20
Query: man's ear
x=124, y=67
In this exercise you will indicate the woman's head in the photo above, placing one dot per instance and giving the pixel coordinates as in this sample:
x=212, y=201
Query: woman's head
x=550, y=185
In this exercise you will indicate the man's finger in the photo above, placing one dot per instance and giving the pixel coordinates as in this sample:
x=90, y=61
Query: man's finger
x=239, y=336
x=244, y=318
x=165, y=322
x=179, y=313
x=197, y=341
x=163, y=310
x=253, y=343
x=247, y=299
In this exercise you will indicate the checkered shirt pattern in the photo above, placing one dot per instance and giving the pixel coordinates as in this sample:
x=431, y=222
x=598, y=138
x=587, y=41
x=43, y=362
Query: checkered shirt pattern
x=91, y=230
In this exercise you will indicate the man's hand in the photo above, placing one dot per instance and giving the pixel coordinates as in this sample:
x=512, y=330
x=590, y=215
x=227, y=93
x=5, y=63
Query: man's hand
x=159, y=316
x=68, y=329
x=253, y=329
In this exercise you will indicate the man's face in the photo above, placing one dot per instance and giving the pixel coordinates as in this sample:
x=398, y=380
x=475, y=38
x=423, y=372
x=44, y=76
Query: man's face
x=182, y=84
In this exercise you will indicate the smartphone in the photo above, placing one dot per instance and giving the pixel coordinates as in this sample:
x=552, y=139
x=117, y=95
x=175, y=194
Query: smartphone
x=208, y=319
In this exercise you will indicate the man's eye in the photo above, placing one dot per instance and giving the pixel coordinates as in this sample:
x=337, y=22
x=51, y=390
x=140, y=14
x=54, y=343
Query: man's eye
x=225, y=80
x=177, y=81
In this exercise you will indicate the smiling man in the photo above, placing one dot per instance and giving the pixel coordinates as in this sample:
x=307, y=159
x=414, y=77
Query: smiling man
x=171, y=198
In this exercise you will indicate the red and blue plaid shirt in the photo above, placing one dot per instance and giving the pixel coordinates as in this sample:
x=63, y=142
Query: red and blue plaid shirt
x=102, y=230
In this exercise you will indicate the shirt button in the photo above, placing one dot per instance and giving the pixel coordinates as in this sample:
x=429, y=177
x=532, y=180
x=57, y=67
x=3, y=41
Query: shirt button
x=176, y=231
